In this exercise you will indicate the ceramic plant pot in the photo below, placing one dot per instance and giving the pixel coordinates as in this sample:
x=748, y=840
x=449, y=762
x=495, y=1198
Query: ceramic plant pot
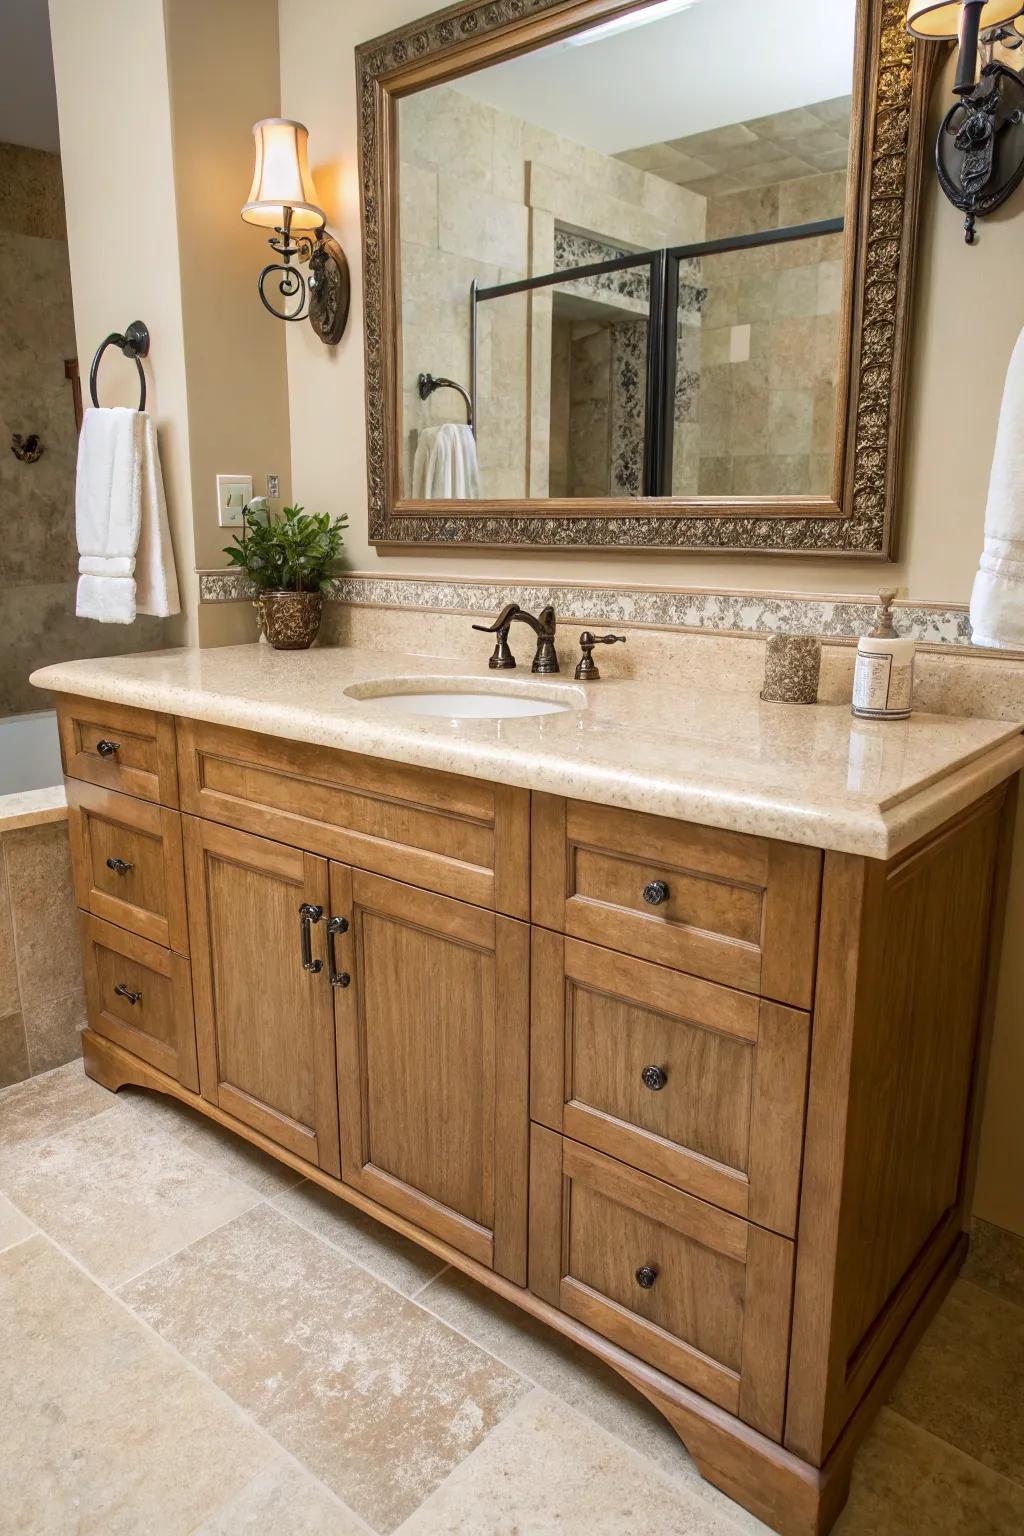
x=290, y=620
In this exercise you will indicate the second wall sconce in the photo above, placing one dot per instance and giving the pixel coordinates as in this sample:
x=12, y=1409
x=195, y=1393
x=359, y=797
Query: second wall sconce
x=283, y=198
x=979, y=154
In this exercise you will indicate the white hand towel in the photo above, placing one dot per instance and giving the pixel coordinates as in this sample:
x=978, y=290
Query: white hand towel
x=121, y=520
x=997, y=601
x=446, y=466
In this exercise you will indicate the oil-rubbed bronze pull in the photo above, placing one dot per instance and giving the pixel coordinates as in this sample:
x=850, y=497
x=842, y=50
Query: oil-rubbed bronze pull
x=309, y=913
x=107, y=748
x=127, y=993
x=119, y=866
x=655, y=893
x=654, y=1078
x=336, y=925
x=646, y=1276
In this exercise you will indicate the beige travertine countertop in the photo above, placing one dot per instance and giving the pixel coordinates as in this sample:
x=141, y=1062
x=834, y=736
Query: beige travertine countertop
x=806, y=774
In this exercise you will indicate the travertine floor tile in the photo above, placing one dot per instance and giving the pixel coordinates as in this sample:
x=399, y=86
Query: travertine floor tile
x=283, y=1500
x=965, y=1381
x=212, y=1142
x=13, y=1225
x=402, y=1264
x=996, y=1262
x=120, y=1194
x=377, y=1397
x=545, y=1470
x=908, y=1483
x=44, y=1105
x=104, y=1432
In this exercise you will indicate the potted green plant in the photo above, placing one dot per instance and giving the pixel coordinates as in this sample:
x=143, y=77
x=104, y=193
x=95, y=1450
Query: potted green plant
x=290, y=561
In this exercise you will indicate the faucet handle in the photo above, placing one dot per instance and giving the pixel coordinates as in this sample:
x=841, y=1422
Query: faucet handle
x=502, y=659
x=502, y=622
x=587, y=669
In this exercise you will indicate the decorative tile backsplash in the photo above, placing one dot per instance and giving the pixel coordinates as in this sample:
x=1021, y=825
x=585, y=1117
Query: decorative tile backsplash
x=751, y=613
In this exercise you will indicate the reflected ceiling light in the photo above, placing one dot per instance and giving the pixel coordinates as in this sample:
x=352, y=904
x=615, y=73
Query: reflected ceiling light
x=979, y=154
x=639, y=18
x=283, y=198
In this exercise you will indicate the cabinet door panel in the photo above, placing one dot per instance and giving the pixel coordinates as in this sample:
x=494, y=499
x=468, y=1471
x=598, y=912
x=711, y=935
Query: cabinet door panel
x=433, y=1063
x=265, y=1025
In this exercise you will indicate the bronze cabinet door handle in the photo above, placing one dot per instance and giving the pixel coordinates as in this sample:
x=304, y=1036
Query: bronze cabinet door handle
x=107, y=748
x=119, y=866
x=126, y=992
x=336, y=925
x=309, y=913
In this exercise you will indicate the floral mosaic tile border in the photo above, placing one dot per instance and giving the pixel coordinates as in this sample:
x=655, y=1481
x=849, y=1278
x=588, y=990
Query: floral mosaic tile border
x=754, y=613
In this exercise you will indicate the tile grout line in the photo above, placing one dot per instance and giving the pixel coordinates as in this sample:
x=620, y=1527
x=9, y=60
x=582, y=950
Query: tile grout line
x=176, y=1252
x=196, y=1371
x=1007, y=1301
x=940, y=1440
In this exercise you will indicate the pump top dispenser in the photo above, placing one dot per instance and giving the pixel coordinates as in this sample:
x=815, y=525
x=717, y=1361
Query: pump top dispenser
x=883, y=682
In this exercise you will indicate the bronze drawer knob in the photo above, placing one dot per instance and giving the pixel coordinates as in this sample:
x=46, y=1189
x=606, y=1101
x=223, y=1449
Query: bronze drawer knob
x=119, y=866
x=655, y=893
x=126, y=992
x=654, y=1078
x=646, y=1276
x=107, y=748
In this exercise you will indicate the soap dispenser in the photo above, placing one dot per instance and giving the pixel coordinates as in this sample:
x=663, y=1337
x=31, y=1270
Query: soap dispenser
x=883, y=682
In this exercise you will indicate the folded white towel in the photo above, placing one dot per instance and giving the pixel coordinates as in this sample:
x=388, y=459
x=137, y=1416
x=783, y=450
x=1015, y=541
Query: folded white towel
x=446, y=467
x=126, y=563
x=997, y=601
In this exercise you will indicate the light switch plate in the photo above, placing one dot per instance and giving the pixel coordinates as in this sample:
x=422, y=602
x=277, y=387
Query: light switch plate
x=233, y=493
x=273, y=486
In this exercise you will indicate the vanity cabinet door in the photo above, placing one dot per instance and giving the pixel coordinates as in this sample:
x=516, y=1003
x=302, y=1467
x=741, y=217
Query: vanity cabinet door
x=264, y=1023
x=433, y=1060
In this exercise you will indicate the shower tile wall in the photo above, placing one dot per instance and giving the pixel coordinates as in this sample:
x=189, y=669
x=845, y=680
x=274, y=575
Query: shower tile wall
x=38, y=559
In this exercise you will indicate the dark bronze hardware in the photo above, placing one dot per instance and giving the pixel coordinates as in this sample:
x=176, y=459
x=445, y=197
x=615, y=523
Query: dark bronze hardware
x=119, y=866
x=545, y=660
x=646, y=1276
x=132, y=997
x=107, y=748
x=586, y=669
x=28, y=450
x=655, y=893
x=502, y=659
x=336, y=925
x=654, y=1078
x=309, y=913
x=133, y=344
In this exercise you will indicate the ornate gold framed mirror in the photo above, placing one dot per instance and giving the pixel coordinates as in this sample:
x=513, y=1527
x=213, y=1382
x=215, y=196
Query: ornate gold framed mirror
x=639, y=274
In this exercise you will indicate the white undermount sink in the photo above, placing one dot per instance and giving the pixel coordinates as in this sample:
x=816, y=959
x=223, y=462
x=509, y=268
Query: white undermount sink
x=454, y=698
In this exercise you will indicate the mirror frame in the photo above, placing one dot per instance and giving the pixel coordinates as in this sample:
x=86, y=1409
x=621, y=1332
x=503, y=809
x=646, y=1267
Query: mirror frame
x=891, y=80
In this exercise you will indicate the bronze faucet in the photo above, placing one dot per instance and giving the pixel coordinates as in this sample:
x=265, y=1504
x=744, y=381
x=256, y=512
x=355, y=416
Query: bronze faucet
x=587, y=669
x=545, y=660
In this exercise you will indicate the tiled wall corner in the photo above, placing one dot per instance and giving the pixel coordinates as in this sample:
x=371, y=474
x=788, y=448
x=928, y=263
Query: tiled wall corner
x=42, y=1003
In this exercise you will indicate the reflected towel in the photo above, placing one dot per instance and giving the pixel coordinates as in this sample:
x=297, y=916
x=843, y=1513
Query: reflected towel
x=997, y=601
x=445, y=467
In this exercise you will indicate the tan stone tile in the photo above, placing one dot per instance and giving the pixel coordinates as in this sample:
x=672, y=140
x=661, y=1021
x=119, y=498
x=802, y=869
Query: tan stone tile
x=996, y=1261
x=14, y=1066
x=53, y=1031
x=393, y=1258
x=105, y=1433
x=212, y=1142
x=41, y=1107
x=906, y=1481
x=42, y=905
x=282, y=1500
x=376, y=1396
x=545, y=1470
x=120, y=1194
x=13, y=1225
x=10, y=1001
x=791, y=421
x=965, y=1382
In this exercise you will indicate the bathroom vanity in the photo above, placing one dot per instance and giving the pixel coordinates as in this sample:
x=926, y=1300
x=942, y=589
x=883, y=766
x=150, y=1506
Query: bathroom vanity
x=677, y=1048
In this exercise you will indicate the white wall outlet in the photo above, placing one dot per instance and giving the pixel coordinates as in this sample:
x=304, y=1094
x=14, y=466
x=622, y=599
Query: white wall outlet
x=233, y=493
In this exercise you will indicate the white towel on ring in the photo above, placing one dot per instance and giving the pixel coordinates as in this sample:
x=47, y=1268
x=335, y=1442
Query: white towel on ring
x=446, y=466
x=997, y=601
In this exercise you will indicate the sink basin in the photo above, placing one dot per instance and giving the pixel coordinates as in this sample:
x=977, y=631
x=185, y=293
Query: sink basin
x=455, y=698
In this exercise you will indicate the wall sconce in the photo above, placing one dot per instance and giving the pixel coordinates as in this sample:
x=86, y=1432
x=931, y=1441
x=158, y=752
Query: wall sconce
x=979, y=154
x=283, y=198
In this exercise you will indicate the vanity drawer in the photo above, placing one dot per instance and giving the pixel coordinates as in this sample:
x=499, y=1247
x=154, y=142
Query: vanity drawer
x=697, y=1293
x=127, y=860
x=694, y=1083
x=459, y=837
x=119, y=748
x=139, y=995
x=733, y=908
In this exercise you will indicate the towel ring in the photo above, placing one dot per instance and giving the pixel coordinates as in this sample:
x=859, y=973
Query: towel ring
x=427, y=383
x=134, y=344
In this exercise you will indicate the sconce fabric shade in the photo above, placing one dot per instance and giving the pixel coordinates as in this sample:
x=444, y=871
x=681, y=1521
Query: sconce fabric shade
x=940, y=19
x=282, y=178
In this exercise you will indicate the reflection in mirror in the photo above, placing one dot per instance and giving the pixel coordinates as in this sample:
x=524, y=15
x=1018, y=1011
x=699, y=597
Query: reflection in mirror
x=576, y=254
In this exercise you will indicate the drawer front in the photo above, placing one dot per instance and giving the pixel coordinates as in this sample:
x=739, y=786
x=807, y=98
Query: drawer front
x=117, y=747
x=460, y=837
x=735, y=909
x=139, y=995
x=697, y=1293
x=127, y=860
x=696, y=1084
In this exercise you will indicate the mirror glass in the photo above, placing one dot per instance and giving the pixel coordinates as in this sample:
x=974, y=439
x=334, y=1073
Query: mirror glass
x=622, y=260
